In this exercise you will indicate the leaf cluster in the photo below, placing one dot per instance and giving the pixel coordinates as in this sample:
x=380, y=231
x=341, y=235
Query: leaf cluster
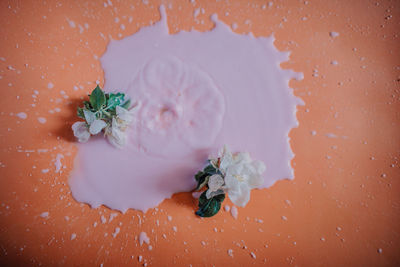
x=208, y=207
x=103, y=105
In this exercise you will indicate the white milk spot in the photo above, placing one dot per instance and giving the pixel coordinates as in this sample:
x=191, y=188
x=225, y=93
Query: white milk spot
x=71, y=23
x=22, y=115
x=42, y=120
x=230, y=252
x=234, y=212
x=116, y=232
x=58, y=163
x=143, y=238
x=44, y=214
x=333, y=34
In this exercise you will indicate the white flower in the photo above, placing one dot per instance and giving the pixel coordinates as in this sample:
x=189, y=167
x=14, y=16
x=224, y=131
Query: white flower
x=115, y=134
x=215, y=184
x=96, y=126
x=115, y=131
x=124, y=117
x=124, y=114
x=226, y=159
x=241, y=174
x=89, y=116
x=81, y=131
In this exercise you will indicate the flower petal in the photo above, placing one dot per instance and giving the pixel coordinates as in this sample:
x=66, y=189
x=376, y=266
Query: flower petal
x=114, y=135
x=97, y=126
x=259, y=166
x=90, y=117
x=242, y=157
x=77, y=126
x=255, y=181
x=81, y=131
x=116, y=141
x=241, y=197
x=124, y=114
x=231, y=183
x=226, y=159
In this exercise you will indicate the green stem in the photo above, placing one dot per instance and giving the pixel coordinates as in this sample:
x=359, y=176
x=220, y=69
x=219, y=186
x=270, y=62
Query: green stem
x=107, y=108
x=106, y=113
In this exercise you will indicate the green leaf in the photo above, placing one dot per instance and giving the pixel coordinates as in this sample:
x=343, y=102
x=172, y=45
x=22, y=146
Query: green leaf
x=87, y=105
x=210, y=169
x=202, y=179
x=209, y=207
x=97, y=98
x=115, y=100
x=80, y=113
x=127, y=104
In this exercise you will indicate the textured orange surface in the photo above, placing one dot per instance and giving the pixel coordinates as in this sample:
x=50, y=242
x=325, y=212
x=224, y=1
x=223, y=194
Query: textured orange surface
x=342, y=209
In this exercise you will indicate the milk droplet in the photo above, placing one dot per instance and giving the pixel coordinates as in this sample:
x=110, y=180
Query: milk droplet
x=143, y=238
x=230, y=252
x=334, y=34
x=42, y=120
x=116, y=232
x=73, y=236
x=234, y=212
x=22, y=115
x=44, y=214
x=71, y=23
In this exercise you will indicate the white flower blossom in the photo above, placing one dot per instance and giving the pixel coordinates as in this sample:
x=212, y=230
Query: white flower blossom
x=241, y=174
x=124, y=116
x=89, y=116
x=96, y=126
x=81, y=131
x=116, y=133
x=104, y=113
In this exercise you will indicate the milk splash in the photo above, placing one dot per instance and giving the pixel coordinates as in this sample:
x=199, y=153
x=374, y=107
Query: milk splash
x=196, y=91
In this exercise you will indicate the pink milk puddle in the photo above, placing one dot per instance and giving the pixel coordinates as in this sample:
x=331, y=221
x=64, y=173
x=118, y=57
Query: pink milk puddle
x=196, y=92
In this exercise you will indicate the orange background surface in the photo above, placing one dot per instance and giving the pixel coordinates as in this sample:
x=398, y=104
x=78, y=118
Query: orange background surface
x=342, y=208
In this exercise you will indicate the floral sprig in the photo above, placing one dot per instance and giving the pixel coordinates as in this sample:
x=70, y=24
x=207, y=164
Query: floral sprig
x=109, y=112
x=234, y=174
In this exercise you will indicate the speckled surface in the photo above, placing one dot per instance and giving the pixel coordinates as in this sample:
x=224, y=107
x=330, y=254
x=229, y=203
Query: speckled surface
x=342, y=208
